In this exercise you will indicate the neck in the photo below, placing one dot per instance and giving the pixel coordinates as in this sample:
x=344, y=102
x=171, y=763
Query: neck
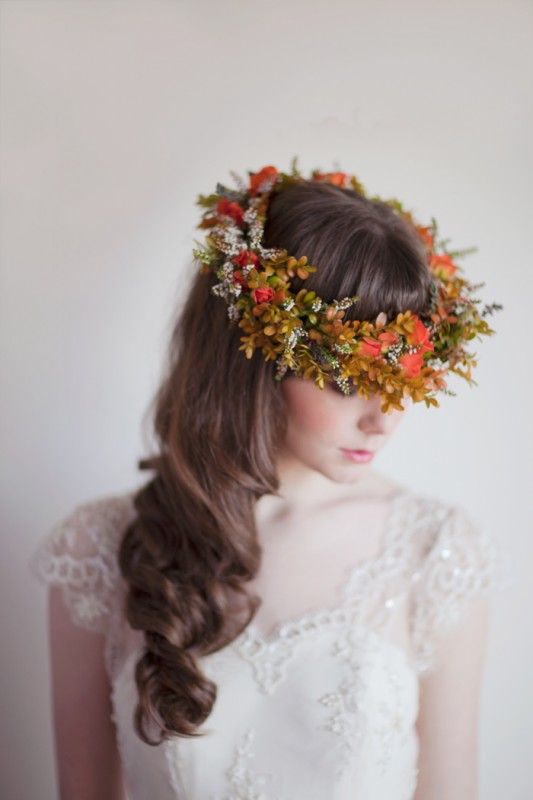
x=301, y=484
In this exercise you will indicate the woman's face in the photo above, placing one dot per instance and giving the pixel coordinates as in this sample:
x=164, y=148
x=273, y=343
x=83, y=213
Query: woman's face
x=325, y=427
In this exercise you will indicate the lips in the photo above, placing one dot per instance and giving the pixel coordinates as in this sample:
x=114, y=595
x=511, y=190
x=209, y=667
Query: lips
x=360, y=456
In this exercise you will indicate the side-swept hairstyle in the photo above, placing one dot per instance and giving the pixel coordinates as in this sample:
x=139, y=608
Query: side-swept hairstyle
x=218, y=420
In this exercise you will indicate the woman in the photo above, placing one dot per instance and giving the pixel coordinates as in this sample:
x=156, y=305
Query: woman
x=269, y=616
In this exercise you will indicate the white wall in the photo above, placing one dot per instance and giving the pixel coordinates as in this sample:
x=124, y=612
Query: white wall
x=115, y=115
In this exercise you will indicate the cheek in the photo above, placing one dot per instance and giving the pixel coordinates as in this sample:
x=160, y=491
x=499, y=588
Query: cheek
x=316, y=420
x=312, y=414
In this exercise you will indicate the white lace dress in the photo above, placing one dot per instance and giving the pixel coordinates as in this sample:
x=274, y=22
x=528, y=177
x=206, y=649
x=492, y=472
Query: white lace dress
x=324, y=707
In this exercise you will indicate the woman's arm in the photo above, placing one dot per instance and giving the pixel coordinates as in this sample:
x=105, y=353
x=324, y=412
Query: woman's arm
x=87, y=756
x=449, y=707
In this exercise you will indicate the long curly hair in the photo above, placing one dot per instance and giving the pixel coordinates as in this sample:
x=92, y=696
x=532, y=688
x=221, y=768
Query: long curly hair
x=218, y=420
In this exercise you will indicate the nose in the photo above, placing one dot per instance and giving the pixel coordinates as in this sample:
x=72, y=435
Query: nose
x=373, y=421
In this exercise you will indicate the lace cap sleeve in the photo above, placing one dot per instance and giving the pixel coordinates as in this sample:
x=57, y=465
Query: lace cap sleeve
x=462, y=562
x=79, y=553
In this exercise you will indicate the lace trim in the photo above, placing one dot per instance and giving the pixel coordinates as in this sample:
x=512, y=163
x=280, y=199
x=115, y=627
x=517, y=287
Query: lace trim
x=349, y=718
x=463, y=562
x=370, y=592
x=244, y=782
x=79, y=554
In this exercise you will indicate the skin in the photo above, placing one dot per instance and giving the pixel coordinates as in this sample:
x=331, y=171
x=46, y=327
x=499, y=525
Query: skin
x=320, y=422
x=323, y=499
x=88, y=765
x=324, y=503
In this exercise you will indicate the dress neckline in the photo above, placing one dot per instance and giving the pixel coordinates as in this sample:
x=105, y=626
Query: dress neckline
x=367, y=569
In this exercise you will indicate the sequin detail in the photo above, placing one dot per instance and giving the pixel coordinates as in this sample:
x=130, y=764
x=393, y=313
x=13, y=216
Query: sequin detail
x=244, y=782
x=463, y=562
x=357, y=718
x=347, y=690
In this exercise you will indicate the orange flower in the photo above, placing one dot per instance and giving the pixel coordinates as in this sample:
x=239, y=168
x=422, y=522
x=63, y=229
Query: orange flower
x=425, y=234
x=246, y=257
x=230, y=209
x=262, y=295
x=374, y=347
x=337, y=178
x=370, y=347
x=257, y=178
x=412, y=363
x=388, y=338
x=420, y=336
x=238, y=277
x=443, y=261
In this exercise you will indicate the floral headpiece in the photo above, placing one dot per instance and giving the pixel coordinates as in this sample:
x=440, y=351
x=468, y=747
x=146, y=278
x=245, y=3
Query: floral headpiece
x=408, y=355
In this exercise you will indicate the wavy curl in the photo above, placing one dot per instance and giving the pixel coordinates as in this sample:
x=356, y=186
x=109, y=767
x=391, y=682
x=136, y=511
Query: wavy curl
x=218, y=420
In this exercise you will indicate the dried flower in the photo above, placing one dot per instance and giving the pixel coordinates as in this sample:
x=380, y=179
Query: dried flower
x=409, y=355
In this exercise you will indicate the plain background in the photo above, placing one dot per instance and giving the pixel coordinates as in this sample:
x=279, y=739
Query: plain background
x=115, y=115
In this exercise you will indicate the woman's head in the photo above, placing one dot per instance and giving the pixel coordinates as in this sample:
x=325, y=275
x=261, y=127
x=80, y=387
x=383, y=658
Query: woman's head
x=360, y=247
x=221, y=421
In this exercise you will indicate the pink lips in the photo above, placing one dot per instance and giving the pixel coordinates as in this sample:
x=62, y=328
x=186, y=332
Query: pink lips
x=360, y=456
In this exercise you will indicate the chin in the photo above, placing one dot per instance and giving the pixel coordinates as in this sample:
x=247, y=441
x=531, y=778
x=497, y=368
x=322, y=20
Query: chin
x=350, y=473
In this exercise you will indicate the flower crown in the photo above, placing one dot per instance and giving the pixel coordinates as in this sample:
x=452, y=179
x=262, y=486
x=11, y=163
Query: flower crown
x=408, y=355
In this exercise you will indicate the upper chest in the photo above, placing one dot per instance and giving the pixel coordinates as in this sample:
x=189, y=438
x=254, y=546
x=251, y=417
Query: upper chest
x=333, y=562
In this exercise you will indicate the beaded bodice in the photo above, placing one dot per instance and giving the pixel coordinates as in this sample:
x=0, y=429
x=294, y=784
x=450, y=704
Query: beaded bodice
x=325, y=705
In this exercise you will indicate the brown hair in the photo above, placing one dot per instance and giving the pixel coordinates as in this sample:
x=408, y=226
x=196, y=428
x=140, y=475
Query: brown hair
x=218, y=420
